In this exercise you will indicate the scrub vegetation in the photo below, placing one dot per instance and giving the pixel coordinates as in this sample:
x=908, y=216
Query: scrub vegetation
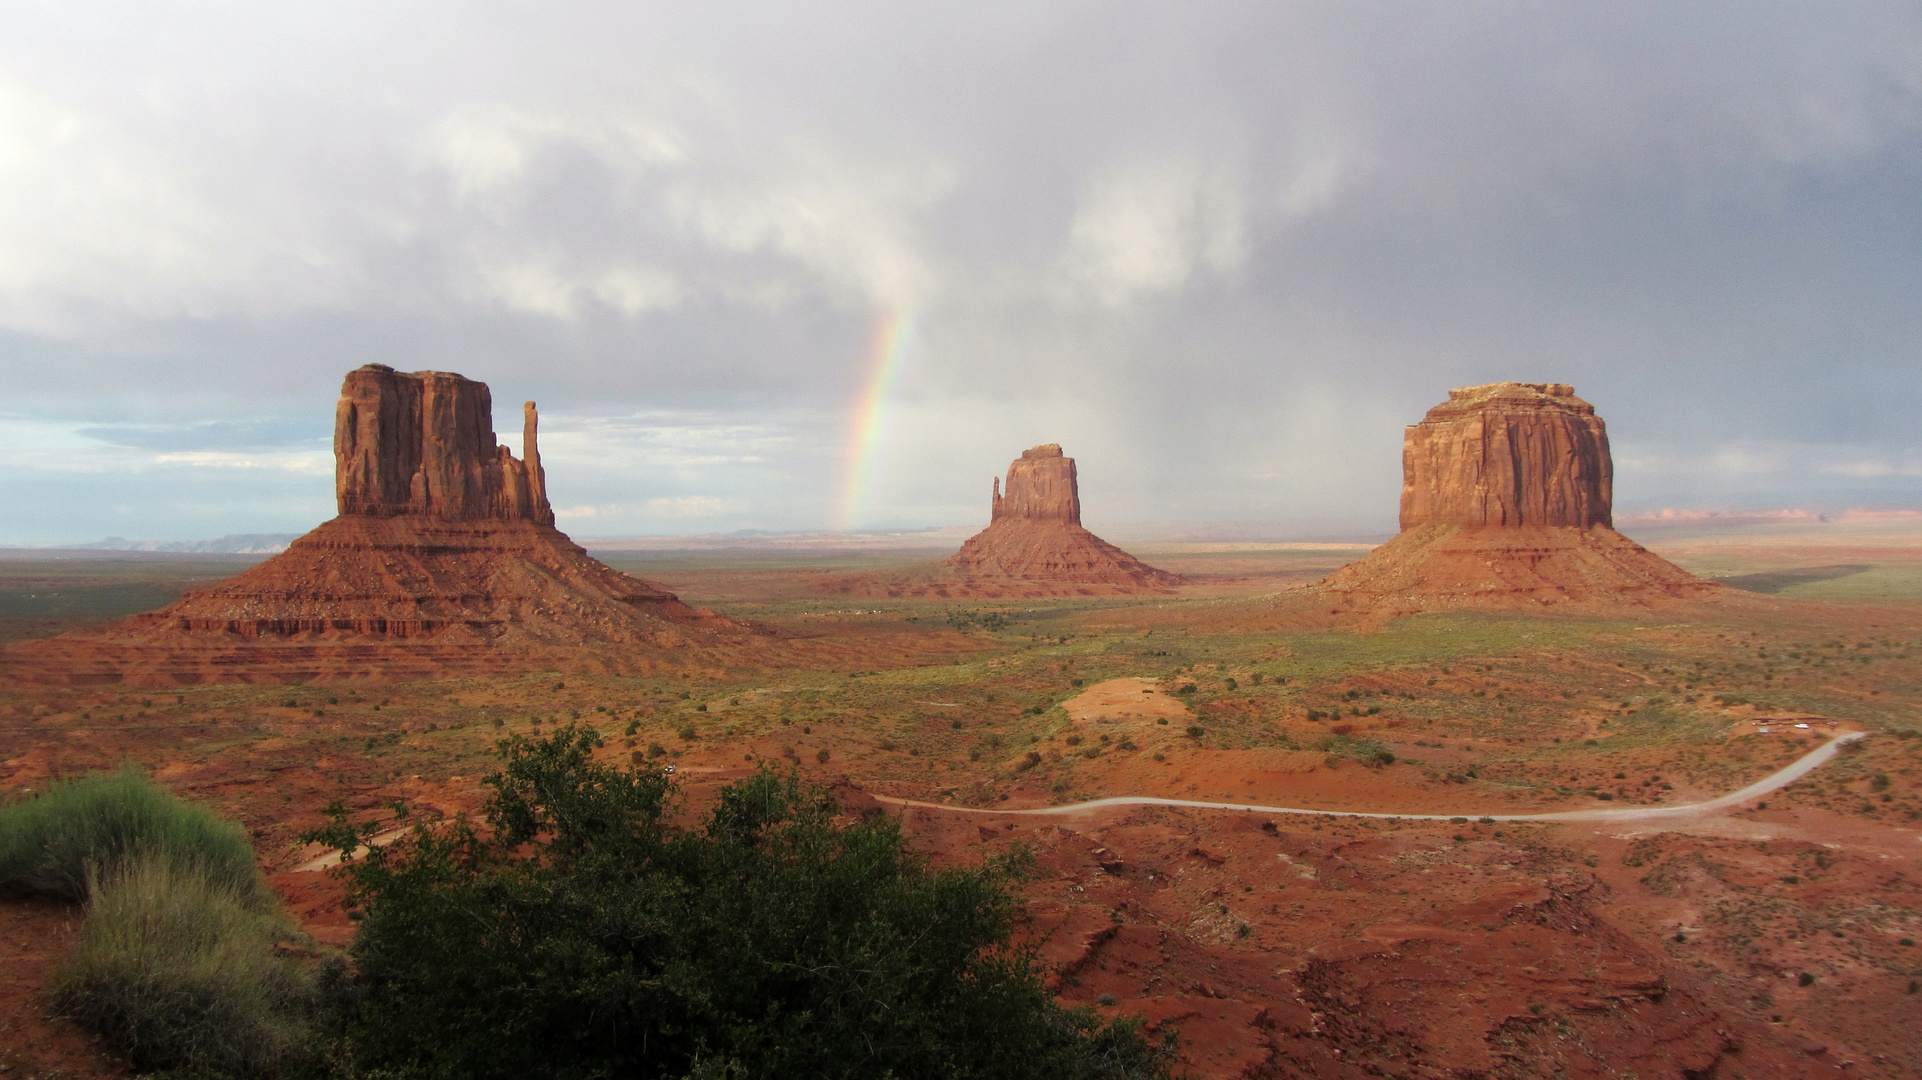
x=582, y=933
x=177, y=965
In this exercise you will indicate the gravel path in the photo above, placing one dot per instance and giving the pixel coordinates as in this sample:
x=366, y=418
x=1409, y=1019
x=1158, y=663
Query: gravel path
x=1774, y=781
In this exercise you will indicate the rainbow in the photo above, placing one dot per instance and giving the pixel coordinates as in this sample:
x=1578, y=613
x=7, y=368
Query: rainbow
x=868, y=423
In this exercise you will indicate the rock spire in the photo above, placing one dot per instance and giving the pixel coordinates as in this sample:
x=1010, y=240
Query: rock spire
x=422, y=443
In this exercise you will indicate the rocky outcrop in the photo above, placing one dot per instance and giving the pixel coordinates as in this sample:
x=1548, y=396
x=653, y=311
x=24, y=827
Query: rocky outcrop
x=1041, y=487
x=1507, y=454
x=422, y=443
x=1034, y=544
x=1506, y=503
x=444, y=559
x=1034, y=547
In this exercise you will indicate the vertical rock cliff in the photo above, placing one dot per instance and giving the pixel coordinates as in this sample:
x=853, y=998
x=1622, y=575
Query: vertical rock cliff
x=422, y=443
x=1507, y=454
x=1041, y=487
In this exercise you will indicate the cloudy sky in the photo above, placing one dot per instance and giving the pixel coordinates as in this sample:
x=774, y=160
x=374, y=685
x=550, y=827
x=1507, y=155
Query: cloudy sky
x=1221, y=251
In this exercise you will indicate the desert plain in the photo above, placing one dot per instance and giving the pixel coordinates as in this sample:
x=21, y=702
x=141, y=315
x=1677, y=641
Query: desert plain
x=1457, y=932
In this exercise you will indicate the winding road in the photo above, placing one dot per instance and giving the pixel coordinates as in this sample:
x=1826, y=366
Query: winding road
x=1774, y=781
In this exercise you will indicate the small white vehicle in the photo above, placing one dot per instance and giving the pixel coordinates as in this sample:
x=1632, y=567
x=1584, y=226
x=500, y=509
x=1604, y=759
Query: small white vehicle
x=669, y=770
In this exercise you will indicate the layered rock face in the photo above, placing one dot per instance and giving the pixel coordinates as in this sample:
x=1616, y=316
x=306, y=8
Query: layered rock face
x=1034, y=544
x=1506, y=502
x=444, y=559
x=422, y=443
x=1508, y=454
x=1041, y=487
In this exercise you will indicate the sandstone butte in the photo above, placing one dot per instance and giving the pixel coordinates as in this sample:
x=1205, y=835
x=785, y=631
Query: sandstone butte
x=1506, y=502
x=1034, y=544
x=444, y=558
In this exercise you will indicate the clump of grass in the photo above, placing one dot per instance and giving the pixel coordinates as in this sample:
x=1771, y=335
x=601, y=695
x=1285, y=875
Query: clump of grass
x=175, y=968
x=78, y=829
x=177, y=963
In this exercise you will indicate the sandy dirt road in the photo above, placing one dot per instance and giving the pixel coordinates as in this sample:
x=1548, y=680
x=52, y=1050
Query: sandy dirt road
x=1775, y=781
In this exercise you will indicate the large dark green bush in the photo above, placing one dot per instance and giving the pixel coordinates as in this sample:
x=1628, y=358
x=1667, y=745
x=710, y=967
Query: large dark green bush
x=54, y=842
x=177, y=962
x=583, y=934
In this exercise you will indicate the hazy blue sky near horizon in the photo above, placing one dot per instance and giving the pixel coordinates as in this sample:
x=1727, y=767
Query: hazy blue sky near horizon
x=1221, y=251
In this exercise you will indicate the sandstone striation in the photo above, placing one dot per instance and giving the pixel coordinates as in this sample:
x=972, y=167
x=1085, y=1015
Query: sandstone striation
x=1034, y=543
x=444, y=559
x=1506, y=502
x=422, y=444
x=1508, y=454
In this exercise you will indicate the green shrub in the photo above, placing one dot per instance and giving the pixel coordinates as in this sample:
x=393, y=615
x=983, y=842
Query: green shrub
x=177, y=969
x=54, y=842
x=584, y=933
x=176, y=963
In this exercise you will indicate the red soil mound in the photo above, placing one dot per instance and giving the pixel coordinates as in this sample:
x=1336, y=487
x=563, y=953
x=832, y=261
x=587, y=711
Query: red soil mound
x=1021, y=555
x=1506, y=503
x=401, y=597
x=1446, y=566
x=444, y=559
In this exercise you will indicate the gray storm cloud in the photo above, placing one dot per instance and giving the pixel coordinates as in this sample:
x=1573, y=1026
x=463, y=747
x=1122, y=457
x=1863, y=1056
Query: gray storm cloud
x=1221, y=251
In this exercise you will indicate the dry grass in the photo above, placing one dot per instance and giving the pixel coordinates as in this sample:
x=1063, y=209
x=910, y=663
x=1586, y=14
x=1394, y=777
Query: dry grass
x=55, y=843
x=177, y=969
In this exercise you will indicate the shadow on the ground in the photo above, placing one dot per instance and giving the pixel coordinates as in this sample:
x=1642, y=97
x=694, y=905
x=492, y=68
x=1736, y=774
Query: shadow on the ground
x=1775, y=581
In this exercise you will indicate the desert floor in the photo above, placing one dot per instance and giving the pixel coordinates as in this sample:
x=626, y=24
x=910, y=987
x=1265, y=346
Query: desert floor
x=1770, y=938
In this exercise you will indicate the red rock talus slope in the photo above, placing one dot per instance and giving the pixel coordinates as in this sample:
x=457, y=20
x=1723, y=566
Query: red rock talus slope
x=444, y=559
x=1034, y=544
x=1506, y=503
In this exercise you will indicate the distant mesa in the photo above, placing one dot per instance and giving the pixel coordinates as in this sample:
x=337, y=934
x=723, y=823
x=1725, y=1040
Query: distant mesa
x=1034, y=539
x=235, y=544
x=444, y=560
x=1506, y=502
x=1034, y=547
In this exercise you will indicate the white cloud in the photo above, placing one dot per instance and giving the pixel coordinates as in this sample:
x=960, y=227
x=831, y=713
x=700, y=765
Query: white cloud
x=101, y=214
x=314, y=464
x=693, y=506
x=1226, y=251
x=1872, y=469
x=853, y=225
x=1149, y=227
